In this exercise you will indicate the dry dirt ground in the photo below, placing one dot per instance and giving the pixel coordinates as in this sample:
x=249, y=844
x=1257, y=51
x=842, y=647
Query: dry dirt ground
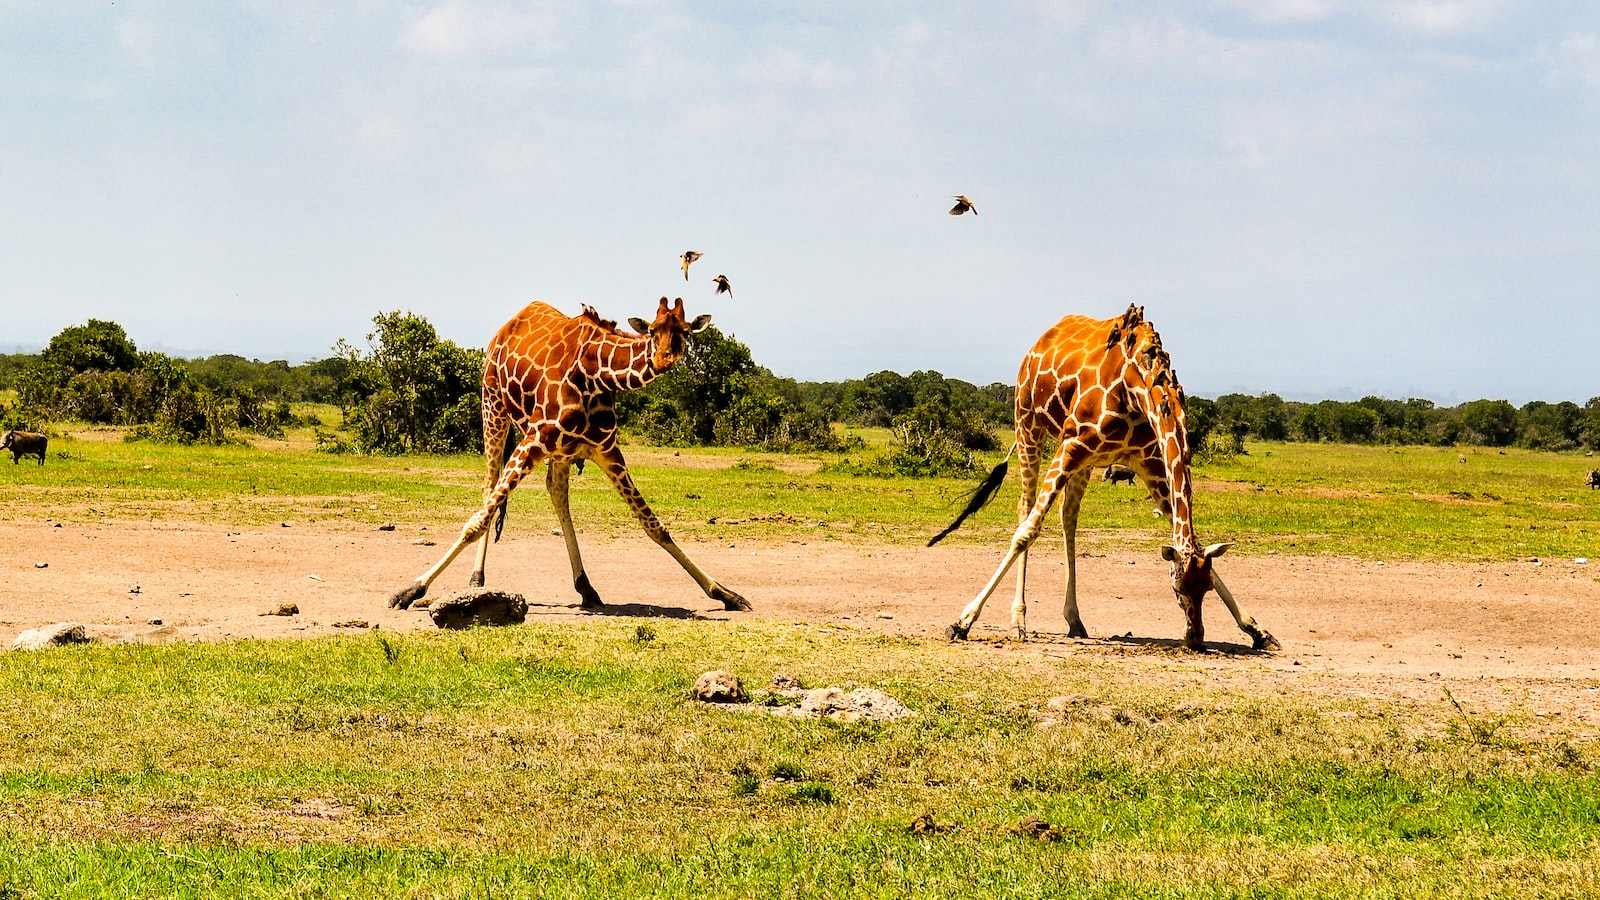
x=1513, y=635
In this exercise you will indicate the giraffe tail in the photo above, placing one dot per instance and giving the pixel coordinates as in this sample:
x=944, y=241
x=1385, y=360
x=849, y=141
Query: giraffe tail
x=980, y=496
x=500, y=519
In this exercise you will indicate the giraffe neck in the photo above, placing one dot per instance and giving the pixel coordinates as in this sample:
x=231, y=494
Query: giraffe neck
x=1166, y=415
x=618, y=362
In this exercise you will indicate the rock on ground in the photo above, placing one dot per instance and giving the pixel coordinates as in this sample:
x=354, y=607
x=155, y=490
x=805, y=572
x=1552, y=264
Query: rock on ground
x=56, y=635
x=718, y=686
x=858, y=705
x=478, y=606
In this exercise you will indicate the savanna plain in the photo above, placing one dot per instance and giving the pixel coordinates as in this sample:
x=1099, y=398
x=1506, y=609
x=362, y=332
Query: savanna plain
x=1428, y=730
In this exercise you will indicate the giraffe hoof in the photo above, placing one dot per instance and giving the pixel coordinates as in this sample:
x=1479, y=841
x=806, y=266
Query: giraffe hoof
x=1077, y=631
x=1265, y=641
x=411, y=593
x=591, y=597
x=476, y=580
x=957, y=633
x=730, y=600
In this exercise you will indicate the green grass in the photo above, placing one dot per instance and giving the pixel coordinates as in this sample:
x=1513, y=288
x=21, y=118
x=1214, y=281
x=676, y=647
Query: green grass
x=1373, y=502
x=568, y=761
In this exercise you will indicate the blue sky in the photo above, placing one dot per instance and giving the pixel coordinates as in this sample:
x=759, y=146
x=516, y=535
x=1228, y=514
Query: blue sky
x=1308, y=197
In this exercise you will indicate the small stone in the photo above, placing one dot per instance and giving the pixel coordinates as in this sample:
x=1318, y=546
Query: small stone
x=41, y=565
x=57, y=635
x=422, y=542
x=285, y=609
x=134, y=589
x=387, y=526
x=154, y=622
x=284, y=524
x=717, y=686
x=1038, y=829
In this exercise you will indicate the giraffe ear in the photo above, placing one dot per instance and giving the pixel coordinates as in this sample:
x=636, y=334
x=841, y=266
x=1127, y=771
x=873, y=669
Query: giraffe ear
x=700, y=323
x=1169, y=553
x=639, y=324
x=1215, y=550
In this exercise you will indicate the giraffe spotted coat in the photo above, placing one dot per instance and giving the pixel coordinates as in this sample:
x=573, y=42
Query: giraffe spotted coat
x=555, y=378
x=1106, y=390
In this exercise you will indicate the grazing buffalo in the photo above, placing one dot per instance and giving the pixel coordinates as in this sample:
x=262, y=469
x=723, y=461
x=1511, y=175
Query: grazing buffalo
x=1115, y=473
x=24, y=443
x=1594, y=479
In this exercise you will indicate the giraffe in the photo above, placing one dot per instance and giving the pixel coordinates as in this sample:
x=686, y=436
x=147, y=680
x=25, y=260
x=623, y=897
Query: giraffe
x=556, y=378
x=1106, y=389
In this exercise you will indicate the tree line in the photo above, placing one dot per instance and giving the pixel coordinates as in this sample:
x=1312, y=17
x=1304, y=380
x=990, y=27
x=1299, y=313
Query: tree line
x=409, y=390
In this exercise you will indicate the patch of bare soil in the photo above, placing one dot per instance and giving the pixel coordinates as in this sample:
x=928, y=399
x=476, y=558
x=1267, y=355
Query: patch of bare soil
x=1506, y=635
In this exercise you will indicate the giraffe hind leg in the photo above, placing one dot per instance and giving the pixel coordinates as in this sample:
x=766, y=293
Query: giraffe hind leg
x=1071, y=503
x=496, y=450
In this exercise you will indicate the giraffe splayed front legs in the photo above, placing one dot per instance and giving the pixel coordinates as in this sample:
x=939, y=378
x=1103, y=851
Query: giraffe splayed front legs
x=555, y=378
x=1107, y=390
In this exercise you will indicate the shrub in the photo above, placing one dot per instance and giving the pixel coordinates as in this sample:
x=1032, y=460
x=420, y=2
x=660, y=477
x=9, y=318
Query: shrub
x=413, y=391
x=925, y=442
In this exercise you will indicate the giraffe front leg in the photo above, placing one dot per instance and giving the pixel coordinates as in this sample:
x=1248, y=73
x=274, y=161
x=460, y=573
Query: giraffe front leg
x=1260, y=638
x=556, y=482
x=527, y=455
x=617, y=470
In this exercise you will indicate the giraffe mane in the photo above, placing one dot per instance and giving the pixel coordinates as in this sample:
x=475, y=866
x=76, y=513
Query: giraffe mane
x=593, y=316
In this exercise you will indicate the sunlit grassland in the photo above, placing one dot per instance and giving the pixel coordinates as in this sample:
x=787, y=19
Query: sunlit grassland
x=567, y=760
x=1376, y=502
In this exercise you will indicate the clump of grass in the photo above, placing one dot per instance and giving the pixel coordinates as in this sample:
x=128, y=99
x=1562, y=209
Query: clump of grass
x=812, y=792
x=643, y=635
x=786, y=771
x=745, y=780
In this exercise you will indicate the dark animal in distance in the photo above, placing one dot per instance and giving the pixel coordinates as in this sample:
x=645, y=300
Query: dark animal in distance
x=1594, y=479
x=1115, y=474
x=25, y=443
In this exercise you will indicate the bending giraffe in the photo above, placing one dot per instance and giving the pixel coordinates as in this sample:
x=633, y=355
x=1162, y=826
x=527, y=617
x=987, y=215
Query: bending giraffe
x=556, y=378
x=1106, y=389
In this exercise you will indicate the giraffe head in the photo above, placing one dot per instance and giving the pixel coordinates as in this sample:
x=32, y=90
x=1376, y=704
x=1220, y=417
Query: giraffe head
x=669, y=333
x=1191, y=578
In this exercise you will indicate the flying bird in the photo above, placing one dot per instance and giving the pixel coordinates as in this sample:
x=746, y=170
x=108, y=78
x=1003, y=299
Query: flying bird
x=963, y=205
x=688, y=257
x=723, y=287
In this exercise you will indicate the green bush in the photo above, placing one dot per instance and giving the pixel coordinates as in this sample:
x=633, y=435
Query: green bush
x=924, y=442
x=716, y=395
x=413, y=392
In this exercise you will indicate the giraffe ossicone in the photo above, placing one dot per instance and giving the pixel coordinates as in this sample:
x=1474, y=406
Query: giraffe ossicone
x=1105, y=388
x=555, y=378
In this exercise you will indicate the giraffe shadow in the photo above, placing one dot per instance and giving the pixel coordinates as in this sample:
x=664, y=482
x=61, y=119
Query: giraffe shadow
x=622, y=610
x=1219, y=648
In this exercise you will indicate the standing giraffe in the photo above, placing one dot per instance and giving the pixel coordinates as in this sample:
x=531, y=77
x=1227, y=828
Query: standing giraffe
x=1106, y=389
x=556, y=378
